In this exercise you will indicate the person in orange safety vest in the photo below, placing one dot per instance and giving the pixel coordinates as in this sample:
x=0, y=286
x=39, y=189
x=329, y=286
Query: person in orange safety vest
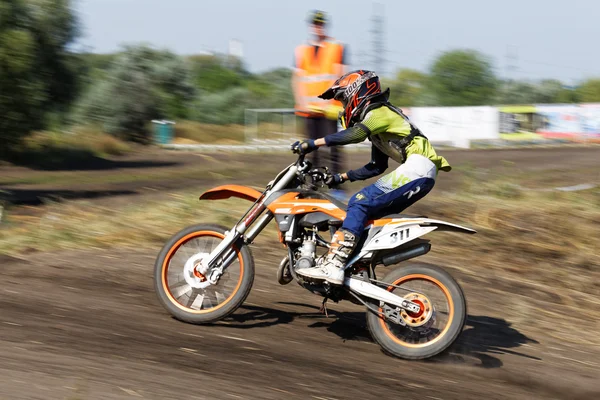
x=317, y=64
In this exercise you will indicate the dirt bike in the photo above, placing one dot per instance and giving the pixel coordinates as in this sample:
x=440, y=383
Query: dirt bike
x=205, y=272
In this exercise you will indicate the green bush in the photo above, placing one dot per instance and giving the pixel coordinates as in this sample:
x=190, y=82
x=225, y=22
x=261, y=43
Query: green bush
x=462, y=78
x=142, y=84
x=271, y=89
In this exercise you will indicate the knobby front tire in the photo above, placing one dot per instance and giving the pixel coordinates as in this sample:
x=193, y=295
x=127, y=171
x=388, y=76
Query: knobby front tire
x=201, y=306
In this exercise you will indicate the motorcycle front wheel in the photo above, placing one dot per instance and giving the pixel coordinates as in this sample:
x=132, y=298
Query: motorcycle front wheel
x=435, y=327
x=201, y=305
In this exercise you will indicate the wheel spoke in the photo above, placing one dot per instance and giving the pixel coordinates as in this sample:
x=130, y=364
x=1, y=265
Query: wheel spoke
x=209, y=303
x=198, y=245
x=209, y=245
x=200, y=300
x=180, y=288
x=187, y=255
x=196, y=304
x=179, y=260
x=220, y=297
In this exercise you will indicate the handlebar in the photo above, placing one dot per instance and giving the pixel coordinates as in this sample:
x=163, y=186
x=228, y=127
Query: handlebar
x=302, y=164
x=317, y=175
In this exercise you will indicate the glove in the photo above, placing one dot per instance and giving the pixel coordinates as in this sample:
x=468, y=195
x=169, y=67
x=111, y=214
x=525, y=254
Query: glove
x=304, y=147
x=334, y=180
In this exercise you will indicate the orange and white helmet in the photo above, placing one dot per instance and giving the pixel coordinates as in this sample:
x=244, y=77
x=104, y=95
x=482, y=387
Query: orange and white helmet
x=354, y=90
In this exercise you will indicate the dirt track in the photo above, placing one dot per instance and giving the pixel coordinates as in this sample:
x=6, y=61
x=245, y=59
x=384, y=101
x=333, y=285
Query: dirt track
x=86, y=325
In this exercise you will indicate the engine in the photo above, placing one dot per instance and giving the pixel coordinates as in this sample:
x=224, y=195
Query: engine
x=307, y=254
x=306, y=257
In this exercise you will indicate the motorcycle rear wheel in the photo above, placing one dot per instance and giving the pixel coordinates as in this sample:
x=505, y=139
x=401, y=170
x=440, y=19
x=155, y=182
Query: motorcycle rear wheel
x=213, y=303
x=436, y=327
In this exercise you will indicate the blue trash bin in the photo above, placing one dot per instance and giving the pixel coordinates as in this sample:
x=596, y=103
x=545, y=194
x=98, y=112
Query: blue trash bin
x=163, y=131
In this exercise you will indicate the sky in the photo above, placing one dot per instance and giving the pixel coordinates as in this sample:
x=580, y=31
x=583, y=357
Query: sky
x=524, y=39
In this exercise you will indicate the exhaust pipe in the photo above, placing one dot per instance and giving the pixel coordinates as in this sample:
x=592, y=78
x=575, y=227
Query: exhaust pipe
x=406, y=254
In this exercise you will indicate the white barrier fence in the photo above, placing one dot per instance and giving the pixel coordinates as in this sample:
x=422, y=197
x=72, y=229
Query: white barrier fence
x=284, y=128
x=457, y=126
x=275, y=128
x=288, y=125
x=453, y=126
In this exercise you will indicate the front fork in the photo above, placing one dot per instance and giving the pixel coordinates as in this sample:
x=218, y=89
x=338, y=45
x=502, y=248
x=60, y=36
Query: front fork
x=224, y=250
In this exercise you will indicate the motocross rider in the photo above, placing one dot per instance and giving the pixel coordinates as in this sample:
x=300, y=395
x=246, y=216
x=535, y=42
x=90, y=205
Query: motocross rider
x=369, y=115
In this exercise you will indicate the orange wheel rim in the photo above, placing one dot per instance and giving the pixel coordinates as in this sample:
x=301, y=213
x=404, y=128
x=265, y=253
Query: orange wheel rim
x=165, y=268
x=446, y=292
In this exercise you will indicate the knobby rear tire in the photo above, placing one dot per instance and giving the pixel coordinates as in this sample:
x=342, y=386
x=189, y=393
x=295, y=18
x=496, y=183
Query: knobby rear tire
x=394, y=347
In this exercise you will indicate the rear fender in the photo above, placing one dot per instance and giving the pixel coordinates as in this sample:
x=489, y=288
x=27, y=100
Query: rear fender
x=394, y=235
x=228, y=191
x=446, y=226
x=398, y=232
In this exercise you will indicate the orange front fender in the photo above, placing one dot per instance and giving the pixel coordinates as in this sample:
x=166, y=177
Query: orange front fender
x=227, y=191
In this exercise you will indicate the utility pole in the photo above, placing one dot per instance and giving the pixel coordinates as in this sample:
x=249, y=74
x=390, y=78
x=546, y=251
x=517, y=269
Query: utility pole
x=378, y=39
x=512, y=61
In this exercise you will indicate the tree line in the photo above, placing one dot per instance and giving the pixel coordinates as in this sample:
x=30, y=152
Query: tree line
x=45, y=84
x=466, y=77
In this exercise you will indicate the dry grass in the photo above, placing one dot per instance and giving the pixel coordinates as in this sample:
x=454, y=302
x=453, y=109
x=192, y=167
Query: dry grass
x=82, y=224
x=51, y=149
x=533, y=232
x=195, y=132
x=84, y=139
x=109, y=145
x=541, y=236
